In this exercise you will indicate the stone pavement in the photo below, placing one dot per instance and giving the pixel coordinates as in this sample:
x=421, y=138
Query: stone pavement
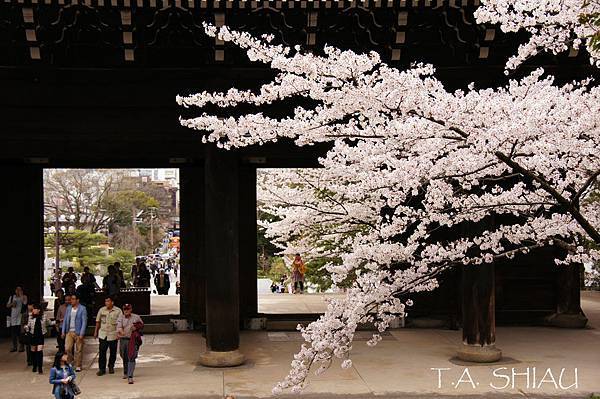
x=269, y=303
x=400, y=366
x=164, y=304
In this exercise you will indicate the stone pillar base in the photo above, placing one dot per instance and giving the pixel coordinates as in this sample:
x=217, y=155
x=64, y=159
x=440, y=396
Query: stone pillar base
x=479, y=354
x=222, y=359
x=566, y=320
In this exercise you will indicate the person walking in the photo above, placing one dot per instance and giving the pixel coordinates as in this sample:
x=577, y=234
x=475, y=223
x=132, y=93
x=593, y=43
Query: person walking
x=17, y=304
x=298, y=270
x=106, y=333
x=59, y=318
x=36, y=327
x=61, y=376
x=60, y=299
x=162, y=283
x=111, y=283
x=129, y=331
x=73, y=330
x=69, y=280
x=153, y=268
x=25, y=338
x=56, y=279
x=135, y=272
x=87, y=289
x=143, y=276
x=122, y=282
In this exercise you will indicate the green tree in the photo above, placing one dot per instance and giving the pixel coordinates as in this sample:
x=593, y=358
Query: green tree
x=593, y=20
x=277, y=268
x=81, y=247
x=121, y=205
x=134, y=235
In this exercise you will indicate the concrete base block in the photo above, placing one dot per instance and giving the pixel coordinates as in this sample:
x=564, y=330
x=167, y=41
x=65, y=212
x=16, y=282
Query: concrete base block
x=565, y=320
x=479, y=354
x=222, y=359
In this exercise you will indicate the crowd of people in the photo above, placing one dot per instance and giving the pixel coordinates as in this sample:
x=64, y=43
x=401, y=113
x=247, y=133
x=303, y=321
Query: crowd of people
x=293, y=284
x=146, y=269
x=115, y=328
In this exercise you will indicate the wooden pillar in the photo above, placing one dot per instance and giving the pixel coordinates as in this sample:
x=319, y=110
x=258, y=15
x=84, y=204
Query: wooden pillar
x=479, y=314
x=222, y=258
x=192, y=299
x=21, y=234
x=247, y=245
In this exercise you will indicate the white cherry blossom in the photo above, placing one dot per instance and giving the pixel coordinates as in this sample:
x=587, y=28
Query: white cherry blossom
x=554, y=25
x=417, y=179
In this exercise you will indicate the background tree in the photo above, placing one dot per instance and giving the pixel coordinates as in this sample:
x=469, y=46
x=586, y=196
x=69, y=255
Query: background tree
x=81, y=247
x=81, y=192
x=128, y=230
x=164, y=195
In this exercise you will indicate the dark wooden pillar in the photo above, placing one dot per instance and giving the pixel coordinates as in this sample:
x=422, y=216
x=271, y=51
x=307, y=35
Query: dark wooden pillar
x=247, y=245
x=479, y=314
x=222, y=258
x=568, y=298
x=21, y=235
x=192, y=299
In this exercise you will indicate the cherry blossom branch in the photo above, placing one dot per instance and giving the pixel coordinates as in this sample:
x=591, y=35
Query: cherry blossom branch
x=566, y=204
x=584, y=187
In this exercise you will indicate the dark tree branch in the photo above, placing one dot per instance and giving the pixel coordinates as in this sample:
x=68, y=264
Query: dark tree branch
x=565, y=203
x=586, y=185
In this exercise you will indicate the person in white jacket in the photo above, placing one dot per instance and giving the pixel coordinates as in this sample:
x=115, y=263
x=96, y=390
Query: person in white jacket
x=17, y=305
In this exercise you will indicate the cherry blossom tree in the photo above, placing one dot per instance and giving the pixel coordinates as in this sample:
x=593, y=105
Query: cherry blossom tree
x=555, y=25
x=417, y=179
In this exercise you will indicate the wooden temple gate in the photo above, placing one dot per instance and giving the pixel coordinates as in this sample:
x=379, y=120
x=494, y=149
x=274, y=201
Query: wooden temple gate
x=92, y=83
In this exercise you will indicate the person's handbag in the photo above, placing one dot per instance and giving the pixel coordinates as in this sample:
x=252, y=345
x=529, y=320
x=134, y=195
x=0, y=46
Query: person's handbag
x=25, y=338
x=75, y=388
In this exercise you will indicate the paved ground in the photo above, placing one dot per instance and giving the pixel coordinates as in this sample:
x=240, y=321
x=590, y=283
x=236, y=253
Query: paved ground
x=164, y=304
x=267, y=303
x=293, y=303
x=400, y=366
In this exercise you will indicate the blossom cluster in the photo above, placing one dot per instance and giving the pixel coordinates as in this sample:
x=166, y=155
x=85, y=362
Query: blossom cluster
x=411, y=170
x=554, y=25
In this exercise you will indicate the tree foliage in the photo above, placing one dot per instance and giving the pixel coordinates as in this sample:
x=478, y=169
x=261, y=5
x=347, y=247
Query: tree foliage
x=80, y=247
x=555, y=26
x=80, y=193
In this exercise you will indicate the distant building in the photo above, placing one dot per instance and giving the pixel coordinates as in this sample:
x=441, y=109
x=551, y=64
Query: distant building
x=168, y=176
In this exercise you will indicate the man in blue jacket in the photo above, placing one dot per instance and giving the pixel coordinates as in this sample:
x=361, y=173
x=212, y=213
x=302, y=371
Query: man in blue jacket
x=73, y=330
